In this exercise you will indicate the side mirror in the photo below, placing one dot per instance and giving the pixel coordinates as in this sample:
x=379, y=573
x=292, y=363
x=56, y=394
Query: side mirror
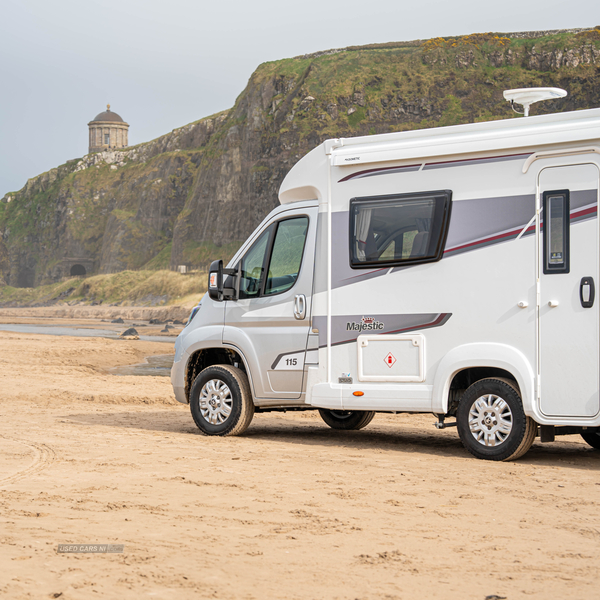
x=216, y=289
x=215, y=280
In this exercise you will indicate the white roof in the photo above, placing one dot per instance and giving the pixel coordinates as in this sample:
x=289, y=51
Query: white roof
x=308, y=178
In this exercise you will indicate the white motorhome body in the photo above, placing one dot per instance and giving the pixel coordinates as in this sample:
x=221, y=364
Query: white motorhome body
x=423, y=266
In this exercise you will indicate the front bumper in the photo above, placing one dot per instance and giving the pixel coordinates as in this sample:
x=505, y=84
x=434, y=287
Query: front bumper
x=180, y=395
x=178, y=377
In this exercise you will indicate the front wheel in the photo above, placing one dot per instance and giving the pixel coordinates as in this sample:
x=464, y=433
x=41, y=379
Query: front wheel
x=346, y=419
x=221, y=401
x=491, y=422
x=592, y=437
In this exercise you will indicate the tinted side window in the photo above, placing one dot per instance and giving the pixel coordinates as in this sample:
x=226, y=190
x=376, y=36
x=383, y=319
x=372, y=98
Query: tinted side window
x=399, y=229
x=286, y=256
x=252, y=266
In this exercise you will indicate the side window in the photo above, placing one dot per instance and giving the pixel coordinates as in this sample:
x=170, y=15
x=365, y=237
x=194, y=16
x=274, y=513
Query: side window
x=252, y=266
x=286, y=256
x=556, y=216
x=399, y=229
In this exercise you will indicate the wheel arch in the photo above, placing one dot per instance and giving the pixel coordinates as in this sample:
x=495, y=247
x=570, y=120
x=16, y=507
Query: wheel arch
x=472, y=362
x=201, y=358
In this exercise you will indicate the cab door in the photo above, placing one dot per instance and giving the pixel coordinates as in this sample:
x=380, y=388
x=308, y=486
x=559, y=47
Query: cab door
x=568, y=254
x=270, y=321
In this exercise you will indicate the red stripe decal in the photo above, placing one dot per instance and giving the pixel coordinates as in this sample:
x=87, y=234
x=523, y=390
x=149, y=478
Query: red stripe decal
x=451, y=162
x=380, y=169
x=501, y=236
x=483, y=241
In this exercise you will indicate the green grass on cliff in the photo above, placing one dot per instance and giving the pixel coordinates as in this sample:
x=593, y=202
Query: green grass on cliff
x=94, y=199
x=127, y=288
x=203, y=253
x=460, y=78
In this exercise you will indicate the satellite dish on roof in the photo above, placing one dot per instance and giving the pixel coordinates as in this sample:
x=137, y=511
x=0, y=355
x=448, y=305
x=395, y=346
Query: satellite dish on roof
x=527, y=96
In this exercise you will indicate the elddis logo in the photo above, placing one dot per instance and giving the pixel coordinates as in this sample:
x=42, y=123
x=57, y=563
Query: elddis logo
x=366, y=324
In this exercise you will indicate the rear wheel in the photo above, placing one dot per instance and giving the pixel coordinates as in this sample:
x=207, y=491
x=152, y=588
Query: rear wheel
x=491, y=422
x=346, y=419
x=221, y=401
x=592, y=437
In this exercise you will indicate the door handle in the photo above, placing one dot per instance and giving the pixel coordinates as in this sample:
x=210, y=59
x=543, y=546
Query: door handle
x=587, y=292
x=300, y=307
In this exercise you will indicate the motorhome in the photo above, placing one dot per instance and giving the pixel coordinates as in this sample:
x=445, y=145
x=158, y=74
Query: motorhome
x=448, y=271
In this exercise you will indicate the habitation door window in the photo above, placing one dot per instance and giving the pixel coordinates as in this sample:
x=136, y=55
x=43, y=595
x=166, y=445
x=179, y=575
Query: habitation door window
x=399, y=229
x=556, y=217
x=107, y=138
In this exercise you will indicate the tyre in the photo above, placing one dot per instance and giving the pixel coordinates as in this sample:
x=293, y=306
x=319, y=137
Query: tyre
x=346, y=419
x=592, y=437
x=221, y=401
x=491, y=422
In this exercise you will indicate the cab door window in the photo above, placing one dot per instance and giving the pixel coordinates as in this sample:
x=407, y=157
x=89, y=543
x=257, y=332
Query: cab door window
x=286, y=256
x=252, y=266
x=277, y=254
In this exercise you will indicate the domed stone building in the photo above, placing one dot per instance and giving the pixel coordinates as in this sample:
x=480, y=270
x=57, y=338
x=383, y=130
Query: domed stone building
x=108, y=131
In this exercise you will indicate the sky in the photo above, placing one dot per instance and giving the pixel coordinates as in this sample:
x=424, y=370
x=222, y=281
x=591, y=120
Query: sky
x=164, y=63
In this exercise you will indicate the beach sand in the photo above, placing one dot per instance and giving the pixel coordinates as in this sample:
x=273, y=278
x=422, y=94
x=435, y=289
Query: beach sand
x=292, y=509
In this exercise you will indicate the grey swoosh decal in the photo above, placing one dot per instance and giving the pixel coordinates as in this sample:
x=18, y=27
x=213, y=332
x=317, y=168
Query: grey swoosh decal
x=398, y=323
x=474, y=224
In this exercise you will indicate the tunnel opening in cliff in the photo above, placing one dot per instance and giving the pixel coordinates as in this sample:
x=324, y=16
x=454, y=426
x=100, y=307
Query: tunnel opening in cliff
x=78, y=271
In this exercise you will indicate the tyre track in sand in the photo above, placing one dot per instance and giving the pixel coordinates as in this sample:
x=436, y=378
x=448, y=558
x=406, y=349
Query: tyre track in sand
x=43, y=457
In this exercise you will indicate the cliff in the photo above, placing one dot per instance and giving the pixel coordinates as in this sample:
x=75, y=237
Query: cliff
x=106, y=212
x=193, y=195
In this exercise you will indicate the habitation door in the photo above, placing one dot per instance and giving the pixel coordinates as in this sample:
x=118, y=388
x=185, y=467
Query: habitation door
x=568, y=326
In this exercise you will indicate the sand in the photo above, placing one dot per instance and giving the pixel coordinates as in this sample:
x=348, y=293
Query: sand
x=291, y=509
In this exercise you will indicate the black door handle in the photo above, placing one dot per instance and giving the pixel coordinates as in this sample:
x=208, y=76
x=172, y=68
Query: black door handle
x=587, y=292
